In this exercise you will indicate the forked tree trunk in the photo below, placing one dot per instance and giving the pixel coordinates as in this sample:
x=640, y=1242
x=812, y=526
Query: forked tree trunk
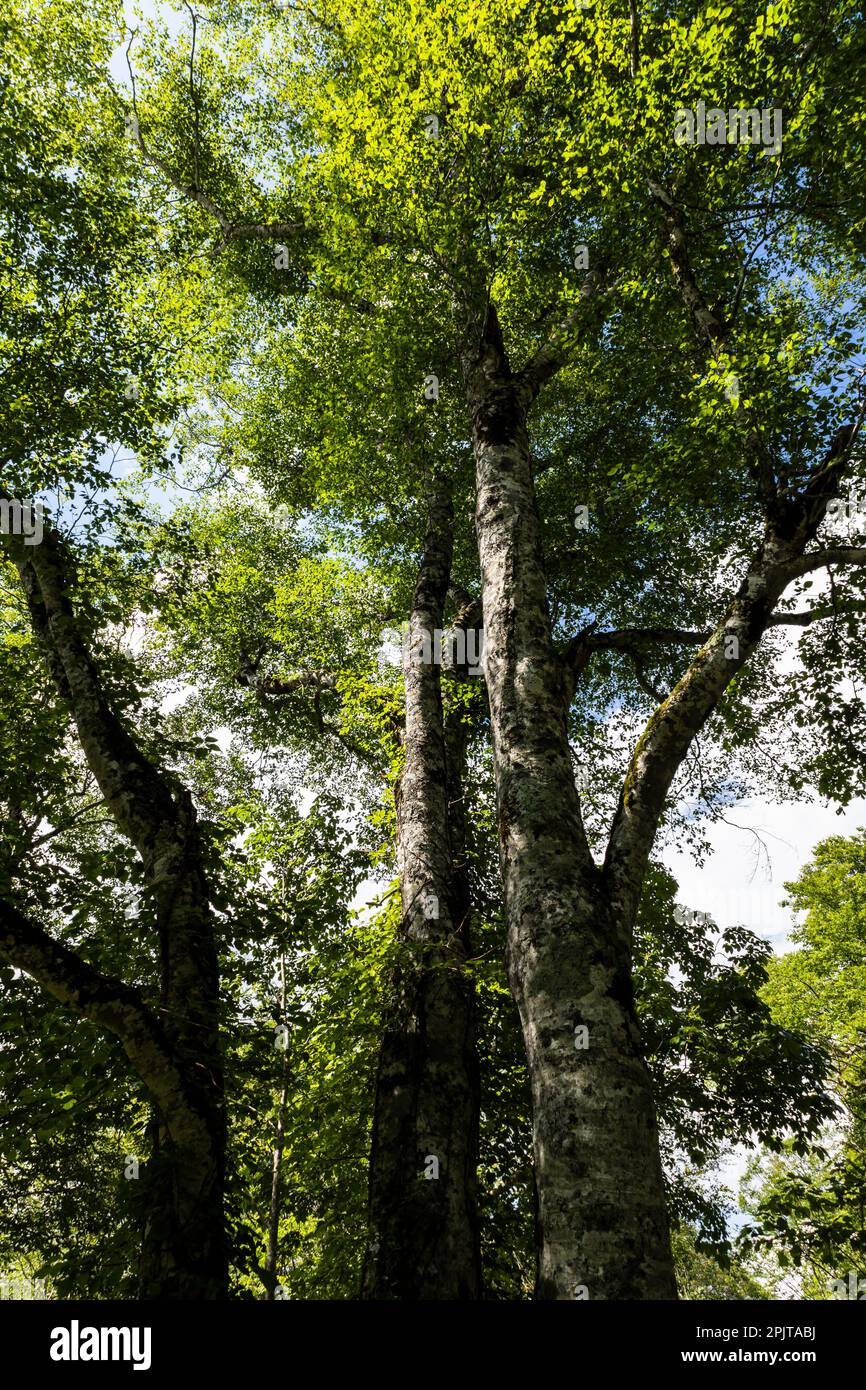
x=423, y=1238
x=602, y=1218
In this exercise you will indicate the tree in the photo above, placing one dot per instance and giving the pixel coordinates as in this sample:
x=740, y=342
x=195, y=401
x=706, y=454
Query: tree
x=722, y=1072
x=394, y=217
x=415, y=198
x=70, y=240
x=807, y=1203
x=700, y=1276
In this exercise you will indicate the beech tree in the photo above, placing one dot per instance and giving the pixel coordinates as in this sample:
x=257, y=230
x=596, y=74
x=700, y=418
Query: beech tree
x=462, y=285
x=71, y=239
x=456, y=180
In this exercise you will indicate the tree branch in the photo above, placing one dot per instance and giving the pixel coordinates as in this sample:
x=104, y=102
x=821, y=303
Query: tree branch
x=576, y=656
x=553, y=354
x=110, y=1004
x=634, y=38
x=469, y=612
x=231, y=230
x=818, y=559
x=671, y=729
x=815, y=615
x=158, y=819
x=710, y=326
x=315, y=680
x=136, y=793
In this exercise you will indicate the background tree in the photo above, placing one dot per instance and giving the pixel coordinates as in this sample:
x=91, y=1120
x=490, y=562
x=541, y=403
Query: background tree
x=807, y=1203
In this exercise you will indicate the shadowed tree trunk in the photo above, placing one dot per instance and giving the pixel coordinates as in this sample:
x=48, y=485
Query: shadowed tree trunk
x=424, y=1241
x=175, y=1049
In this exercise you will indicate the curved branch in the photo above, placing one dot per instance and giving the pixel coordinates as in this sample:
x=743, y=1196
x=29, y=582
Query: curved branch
x=553, y=354
x=819, y=559
x=110, y=1004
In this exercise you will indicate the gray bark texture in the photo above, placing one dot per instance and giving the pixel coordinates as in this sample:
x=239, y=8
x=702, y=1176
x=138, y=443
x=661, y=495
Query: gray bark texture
x=601, y=1209
x=423, y=1241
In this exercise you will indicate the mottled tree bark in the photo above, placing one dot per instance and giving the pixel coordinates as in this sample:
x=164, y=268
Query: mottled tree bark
x=423, y=1241
x=183, y=1246
x=601, y=1211
x=602, y=1220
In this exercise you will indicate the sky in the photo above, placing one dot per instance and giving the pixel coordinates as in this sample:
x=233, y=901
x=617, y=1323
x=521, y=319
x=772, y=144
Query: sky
x=737, y=885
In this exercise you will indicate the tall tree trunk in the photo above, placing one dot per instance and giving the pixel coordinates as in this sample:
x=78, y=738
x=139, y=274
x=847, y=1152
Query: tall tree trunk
x=183, y=1247
x=424, y=1241
x=277, y=1159
x=183, y=1252
x=602, y=1218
